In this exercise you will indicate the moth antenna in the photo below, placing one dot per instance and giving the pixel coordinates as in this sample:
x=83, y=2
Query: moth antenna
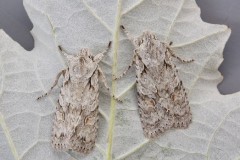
x=60, y=48
x=107, y=49
x=122, y=27
x=100, y=55
x=129, y=36
x=63, y=51
x=109, y=44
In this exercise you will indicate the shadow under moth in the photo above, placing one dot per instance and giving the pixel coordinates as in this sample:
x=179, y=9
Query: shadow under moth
x=162, y=100
x=75, y=123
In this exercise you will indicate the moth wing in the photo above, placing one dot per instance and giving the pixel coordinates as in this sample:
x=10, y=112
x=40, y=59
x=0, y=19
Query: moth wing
x=162, y=99
x=60, y=133
x=85, y=134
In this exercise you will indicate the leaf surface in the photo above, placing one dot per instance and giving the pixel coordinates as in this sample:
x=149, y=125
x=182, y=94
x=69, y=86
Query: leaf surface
x=25, y=124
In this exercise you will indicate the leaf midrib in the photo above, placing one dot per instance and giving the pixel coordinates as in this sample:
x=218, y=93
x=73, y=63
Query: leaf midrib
x=114, y=72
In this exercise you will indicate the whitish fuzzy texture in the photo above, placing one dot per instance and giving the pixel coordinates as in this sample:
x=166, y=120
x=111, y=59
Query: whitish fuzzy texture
x=25, y=124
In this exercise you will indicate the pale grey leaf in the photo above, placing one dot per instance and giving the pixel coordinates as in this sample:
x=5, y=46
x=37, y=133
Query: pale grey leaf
x=25, y=124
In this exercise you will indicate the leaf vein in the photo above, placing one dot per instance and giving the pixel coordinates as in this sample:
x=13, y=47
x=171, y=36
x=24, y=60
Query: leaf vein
x=9, y=138
x=96, y=16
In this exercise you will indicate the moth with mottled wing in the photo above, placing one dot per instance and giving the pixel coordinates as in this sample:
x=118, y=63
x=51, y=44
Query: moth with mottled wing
x=75, y=123
x=162, y=99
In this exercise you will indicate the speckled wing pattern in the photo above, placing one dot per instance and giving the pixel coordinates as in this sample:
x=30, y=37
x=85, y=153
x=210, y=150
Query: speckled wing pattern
x=75, y=123
x=162, y=99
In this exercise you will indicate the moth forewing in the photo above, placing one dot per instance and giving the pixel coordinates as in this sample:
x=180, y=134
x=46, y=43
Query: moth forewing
x=162, y=100
x=75, y=123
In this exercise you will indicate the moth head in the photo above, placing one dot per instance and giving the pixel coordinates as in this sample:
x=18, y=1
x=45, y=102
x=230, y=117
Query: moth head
x=85, y=52
x=148, y=49
x=146, y=37
x=81, y=65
